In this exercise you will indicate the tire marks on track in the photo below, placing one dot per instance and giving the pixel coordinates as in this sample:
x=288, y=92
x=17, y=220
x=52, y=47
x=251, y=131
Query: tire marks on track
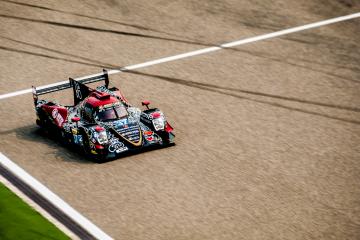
x=136, y=26
x=223, y=91
x=100, y=30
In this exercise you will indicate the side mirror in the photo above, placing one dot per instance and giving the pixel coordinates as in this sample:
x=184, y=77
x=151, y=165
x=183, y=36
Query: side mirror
x=75, y=119
x=146, y=103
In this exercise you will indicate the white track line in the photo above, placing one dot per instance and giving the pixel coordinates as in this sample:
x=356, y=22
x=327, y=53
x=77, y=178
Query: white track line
x=54, y=199
x=37, y=208
x=204, y=50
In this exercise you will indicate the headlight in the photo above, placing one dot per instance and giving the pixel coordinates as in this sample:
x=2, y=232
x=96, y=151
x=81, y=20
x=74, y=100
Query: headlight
x=158, y=121
x=101, y=137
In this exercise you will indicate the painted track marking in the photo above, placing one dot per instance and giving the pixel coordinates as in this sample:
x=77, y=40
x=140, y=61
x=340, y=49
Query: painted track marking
x=53, y=198
x=202, y=51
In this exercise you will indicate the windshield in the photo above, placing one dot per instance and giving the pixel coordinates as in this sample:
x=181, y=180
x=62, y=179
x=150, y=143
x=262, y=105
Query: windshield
x=111, y=113
x=120, y=111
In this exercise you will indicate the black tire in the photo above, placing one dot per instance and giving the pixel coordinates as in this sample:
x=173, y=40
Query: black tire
x=166, y=138
x=85, y=140
x=63, y=138
x=99, y=158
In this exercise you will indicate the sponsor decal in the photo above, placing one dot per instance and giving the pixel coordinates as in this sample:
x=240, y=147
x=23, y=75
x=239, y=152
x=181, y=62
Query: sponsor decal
x=146, y=120
x=121, y=123
x=144, y=127
x=117, y=146
x=54, y=113
x=57, y=117
x=78, y=139
x=77, y=90
x=66, y=127
x=105, y=90
x=130, y=133
x=147, y=117
x=106, y=106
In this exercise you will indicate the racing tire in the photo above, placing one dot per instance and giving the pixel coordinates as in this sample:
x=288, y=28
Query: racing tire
x=85, y=141
x=167, y=138
x=99, y=158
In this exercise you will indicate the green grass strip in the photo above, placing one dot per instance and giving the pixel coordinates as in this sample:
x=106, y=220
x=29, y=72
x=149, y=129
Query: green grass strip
x=19, y=221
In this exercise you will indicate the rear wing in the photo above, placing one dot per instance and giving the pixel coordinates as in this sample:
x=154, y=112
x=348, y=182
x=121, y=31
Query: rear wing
x=80, y=89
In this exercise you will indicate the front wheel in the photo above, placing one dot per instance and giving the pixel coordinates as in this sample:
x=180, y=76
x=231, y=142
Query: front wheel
x=85, y=142
x=167, y=138
x=96, y=156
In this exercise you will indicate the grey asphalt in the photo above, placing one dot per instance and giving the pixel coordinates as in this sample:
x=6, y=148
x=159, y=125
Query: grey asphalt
x=267, y=133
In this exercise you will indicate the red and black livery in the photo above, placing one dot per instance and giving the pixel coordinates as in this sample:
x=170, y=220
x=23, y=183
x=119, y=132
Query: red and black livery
x=101, y=122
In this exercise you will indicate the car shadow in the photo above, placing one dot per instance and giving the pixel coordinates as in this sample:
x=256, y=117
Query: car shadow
x=135, y=152
x=67, y=153
x=33, y=133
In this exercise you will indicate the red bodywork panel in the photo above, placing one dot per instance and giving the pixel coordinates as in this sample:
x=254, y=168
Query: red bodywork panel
x=97, y=99
x=57, y=113
x=155, y=115
x=168, y=128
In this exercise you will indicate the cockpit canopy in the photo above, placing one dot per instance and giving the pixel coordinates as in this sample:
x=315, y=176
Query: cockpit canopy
x=108, y=113
x=103, y=107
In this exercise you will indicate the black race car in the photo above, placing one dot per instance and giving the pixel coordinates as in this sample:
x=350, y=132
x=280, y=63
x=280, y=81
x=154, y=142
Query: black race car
x=101, y=122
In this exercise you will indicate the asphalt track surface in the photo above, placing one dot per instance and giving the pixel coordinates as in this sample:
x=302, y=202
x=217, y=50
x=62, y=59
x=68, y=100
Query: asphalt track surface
x=267, y=133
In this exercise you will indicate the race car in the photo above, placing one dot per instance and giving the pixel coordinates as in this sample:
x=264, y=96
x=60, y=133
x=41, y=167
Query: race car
x=101, y=122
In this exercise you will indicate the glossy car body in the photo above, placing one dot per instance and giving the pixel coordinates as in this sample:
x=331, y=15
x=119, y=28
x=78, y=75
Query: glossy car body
x=101, y=122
